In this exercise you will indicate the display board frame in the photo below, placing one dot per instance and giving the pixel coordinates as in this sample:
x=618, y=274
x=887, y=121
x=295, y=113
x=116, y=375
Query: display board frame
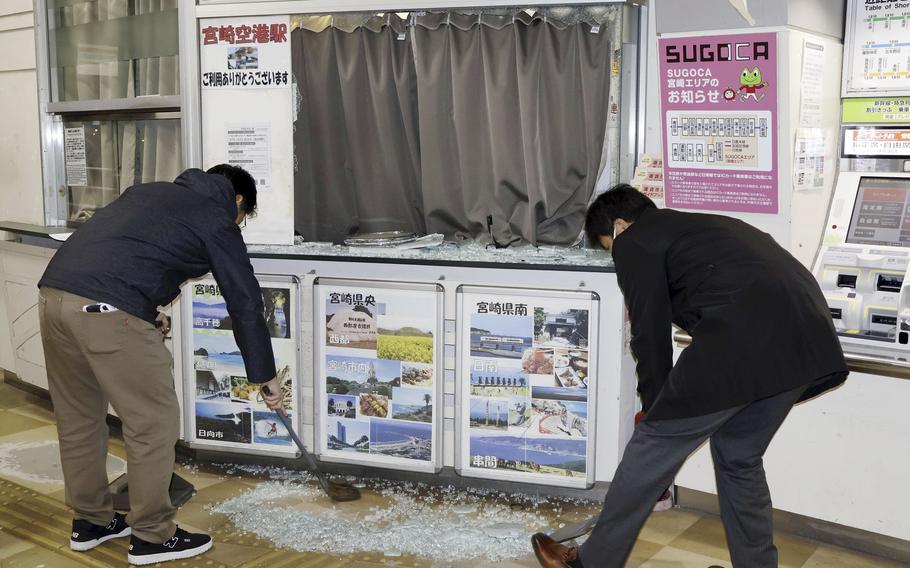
x=850, y=46
x=320, y=413
x=187, y=344
x=463, y=367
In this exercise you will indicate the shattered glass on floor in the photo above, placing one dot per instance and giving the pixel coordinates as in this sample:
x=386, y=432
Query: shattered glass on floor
x=438, y=523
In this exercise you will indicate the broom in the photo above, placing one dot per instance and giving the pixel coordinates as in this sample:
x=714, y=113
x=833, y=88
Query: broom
x=336, y=490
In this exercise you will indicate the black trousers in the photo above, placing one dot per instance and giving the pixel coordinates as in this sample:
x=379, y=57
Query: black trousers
x=739, y=437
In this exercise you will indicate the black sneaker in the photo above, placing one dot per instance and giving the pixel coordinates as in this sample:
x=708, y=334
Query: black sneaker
x=182, y=545
x=87, y=536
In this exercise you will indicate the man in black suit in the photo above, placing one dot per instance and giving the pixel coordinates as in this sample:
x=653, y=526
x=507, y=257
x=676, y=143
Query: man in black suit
x=762, y=340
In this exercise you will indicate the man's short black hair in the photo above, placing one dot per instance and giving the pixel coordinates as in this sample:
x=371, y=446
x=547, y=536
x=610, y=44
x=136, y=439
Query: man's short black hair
x=243, y=183
x=622, y=201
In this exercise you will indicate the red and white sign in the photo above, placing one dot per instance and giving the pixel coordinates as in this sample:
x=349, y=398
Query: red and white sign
x=870, y=142
x=245, y=53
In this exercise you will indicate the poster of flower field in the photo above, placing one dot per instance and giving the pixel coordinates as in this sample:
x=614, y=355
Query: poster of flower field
x=378, y=372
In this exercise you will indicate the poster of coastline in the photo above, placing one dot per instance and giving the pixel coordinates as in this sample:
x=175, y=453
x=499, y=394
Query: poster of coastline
x=526, y=379
x=228, y=409
x=377, y=347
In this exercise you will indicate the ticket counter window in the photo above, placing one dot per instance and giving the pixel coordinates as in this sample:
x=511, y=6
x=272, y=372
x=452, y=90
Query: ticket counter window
x=109, y=84
x=112, y=49
x=116, y=155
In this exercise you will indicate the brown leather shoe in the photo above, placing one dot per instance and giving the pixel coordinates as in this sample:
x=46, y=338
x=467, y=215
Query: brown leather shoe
x=551, y=554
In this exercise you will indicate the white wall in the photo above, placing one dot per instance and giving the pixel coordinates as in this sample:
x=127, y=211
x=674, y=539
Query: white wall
x=798, y=226
x=804, y=220
x=824, y=17
x=21, y=266
x=21, y=196
x=841, y=458
x=20, y=147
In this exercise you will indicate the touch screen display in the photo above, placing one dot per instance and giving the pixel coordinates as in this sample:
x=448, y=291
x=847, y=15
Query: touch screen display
x=881, y=213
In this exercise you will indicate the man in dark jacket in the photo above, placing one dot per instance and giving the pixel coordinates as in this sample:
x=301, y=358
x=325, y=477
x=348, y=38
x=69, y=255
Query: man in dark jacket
x=99, y=302
x=762, y=340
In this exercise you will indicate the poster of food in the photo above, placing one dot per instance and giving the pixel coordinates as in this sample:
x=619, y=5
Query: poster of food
x=527, y=380
x=227, y=411
x=378, y=373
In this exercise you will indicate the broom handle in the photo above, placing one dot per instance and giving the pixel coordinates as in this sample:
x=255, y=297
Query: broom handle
x=311, y=463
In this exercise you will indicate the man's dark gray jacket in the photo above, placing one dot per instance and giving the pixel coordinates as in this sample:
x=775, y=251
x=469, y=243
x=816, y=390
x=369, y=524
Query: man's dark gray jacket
x=135, y=253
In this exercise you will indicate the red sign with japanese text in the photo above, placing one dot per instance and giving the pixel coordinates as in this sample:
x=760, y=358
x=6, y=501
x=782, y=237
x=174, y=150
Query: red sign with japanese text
x=245, y=34
x=245, y=53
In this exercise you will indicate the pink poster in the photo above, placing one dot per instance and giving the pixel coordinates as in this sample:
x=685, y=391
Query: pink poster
x=719, y=104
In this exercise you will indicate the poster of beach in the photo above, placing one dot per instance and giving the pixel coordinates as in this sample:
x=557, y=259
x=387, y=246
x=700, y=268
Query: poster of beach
x=525, y=385
x=378, y=363
x=218, y=372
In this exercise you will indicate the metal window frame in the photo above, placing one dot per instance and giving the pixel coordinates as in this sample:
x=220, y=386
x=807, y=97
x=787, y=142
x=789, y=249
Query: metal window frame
x=53, y=114
x=188, y=102
x=623, y=155
x=224, y=8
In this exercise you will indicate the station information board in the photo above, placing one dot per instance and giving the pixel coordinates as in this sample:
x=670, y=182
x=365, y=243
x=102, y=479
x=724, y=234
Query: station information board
x=526, y=382
x=379, y=373
x=876, y=48
x=224, y=410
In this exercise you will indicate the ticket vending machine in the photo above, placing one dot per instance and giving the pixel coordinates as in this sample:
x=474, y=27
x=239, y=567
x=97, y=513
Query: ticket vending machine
x=863, y=265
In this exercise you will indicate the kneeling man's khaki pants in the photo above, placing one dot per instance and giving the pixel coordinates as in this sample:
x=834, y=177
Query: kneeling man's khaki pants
x=93, y=359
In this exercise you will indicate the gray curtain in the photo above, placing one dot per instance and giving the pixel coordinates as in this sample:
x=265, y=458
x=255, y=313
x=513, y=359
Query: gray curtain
x=508, y=113
x=355, y=139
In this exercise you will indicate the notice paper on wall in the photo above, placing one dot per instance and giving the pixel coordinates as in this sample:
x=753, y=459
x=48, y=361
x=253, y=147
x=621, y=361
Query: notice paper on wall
x=247, y=111
x=810, y=106
x=250, y=147
x=809, y=159
x=649, y=178
x=74, y=155
x=719, y=104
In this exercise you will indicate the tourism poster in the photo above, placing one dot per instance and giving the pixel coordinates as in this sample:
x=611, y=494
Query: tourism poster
x=526, y=382
x=378, y=373
x=227, y=410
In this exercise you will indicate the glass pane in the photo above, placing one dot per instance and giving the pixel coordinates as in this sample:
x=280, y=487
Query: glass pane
x=111, y=49
x=121, y=153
